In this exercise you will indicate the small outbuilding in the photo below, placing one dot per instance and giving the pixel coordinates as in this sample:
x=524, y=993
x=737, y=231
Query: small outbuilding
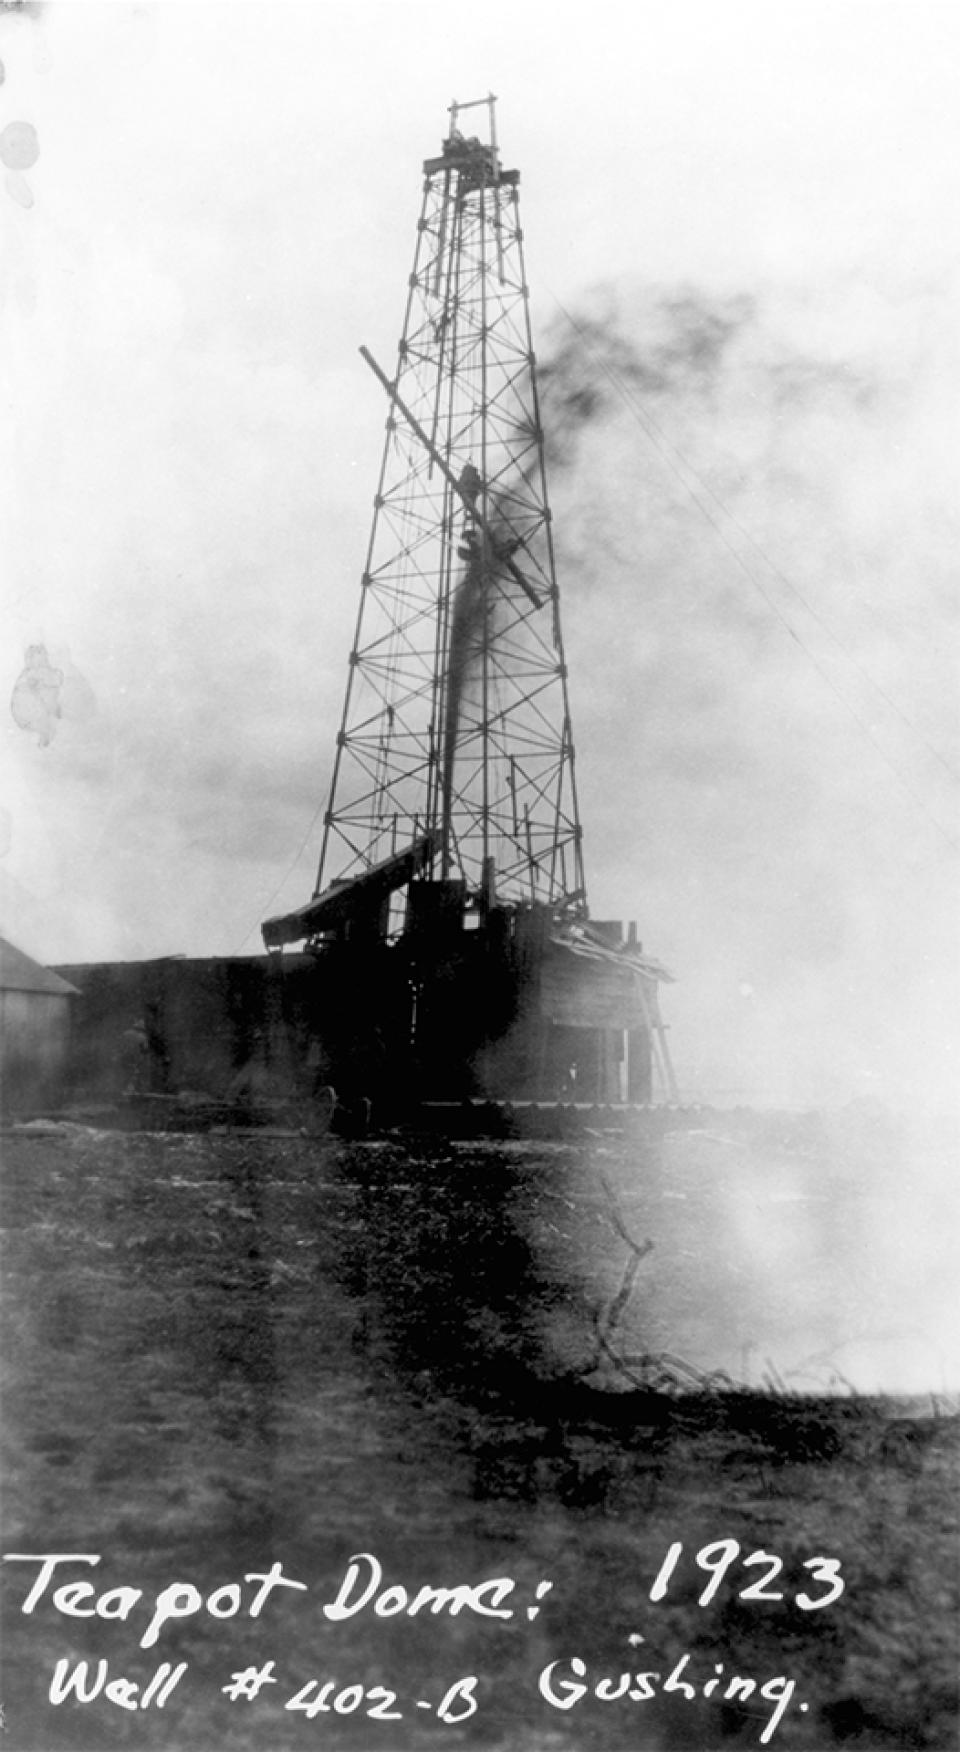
x=35, y=1027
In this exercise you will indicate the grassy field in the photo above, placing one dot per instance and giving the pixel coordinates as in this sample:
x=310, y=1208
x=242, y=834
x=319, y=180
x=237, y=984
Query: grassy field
x=228, y=1352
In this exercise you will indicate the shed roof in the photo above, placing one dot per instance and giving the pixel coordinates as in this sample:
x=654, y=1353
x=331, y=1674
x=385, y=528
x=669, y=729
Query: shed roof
x=20, y=973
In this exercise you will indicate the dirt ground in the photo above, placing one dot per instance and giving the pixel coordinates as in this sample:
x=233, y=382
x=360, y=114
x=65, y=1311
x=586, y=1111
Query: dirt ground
x=227, y=1352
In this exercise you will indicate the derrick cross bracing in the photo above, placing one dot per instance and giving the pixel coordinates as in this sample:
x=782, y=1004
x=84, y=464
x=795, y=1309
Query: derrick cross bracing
x=456, y=721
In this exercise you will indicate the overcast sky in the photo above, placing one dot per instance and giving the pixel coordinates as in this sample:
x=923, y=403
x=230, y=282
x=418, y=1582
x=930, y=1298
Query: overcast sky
x=742, y=229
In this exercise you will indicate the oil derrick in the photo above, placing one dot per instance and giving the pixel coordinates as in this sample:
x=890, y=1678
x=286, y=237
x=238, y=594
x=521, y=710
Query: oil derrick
x=451, y=889
x=456, y=722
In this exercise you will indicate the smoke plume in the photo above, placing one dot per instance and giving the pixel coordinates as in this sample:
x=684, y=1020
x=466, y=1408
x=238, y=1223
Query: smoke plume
x=754, y=574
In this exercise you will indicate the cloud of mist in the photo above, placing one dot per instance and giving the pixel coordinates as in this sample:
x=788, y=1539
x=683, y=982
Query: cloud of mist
x=752, y=507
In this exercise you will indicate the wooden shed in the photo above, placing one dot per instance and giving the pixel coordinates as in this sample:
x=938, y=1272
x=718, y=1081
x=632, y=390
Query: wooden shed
x=35, y=1024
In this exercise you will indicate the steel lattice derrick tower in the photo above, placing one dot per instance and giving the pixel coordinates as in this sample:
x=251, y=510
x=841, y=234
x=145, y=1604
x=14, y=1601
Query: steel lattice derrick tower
x=456, y=721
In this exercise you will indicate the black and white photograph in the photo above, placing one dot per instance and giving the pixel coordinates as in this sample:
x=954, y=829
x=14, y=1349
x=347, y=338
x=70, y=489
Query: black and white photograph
x=479, y=840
